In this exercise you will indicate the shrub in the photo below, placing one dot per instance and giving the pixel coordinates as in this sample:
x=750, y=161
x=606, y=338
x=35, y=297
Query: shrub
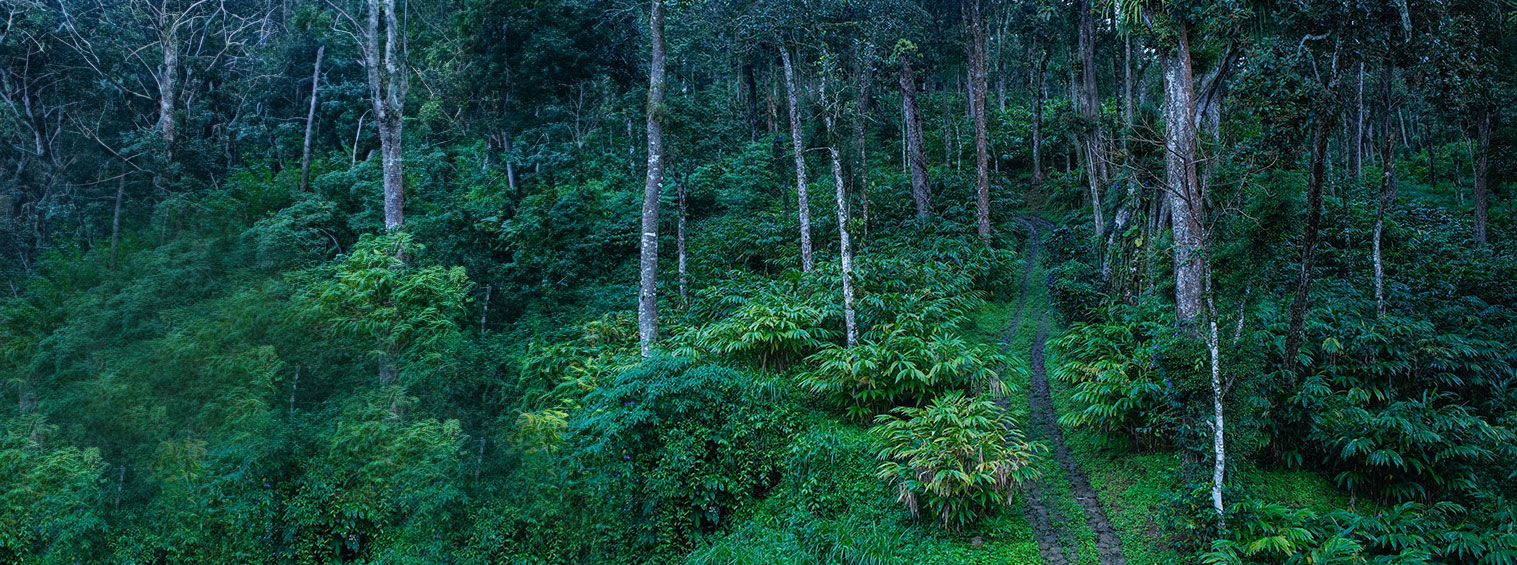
x=894, y=366
x=1119, y=381
x=957, y=459
x=672, y=449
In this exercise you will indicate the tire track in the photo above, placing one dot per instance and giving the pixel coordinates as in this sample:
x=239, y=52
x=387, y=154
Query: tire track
x=1054, y=544
x=1054, y=547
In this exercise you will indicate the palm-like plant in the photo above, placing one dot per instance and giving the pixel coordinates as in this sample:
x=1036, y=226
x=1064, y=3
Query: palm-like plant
x=955, y=459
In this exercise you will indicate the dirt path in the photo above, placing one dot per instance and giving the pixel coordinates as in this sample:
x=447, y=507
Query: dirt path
x=1056, y=545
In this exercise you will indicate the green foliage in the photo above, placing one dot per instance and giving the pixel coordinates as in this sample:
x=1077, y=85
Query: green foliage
x=893, y=365
x=50, y=496
x=1116, y=367
x=954, y=460
x=381, y=485
x=672, y=450
x=374, y=294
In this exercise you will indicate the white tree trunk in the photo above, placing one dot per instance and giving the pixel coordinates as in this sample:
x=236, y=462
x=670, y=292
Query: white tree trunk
x=647, y=300
x=802, y=203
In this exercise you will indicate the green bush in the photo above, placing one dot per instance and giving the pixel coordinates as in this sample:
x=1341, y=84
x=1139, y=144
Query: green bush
x=1120, y=384
x=954, y=460
x=671, y=450
x=892, y=366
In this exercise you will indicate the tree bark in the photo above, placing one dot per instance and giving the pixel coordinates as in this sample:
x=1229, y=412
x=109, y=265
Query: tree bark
x=845, y=250
x=802, y=205
x=863, y=76
x=974, y=18
x=750, y=88
x=1482, y=169
x=116, y=220
x=647, y=299
x=1355, y=147
x=168, y=77
x=1035, y=83
x=1387, y=191
x=305, y=154
x=1299, y=303
x=1185, y=204
x=389, y=79
x=1090, y=110
x=679, y=241
x=916, y=156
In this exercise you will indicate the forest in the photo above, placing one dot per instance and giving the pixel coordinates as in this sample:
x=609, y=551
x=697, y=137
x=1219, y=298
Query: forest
x=758, y=281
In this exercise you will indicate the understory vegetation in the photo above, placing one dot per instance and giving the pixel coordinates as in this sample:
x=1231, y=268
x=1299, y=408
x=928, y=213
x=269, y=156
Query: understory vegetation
x=754, y=281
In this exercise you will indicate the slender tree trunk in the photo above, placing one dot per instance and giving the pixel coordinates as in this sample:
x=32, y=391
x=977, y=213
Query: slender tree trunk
x=845, y=249
x=679, y=241
x=1185, y=204
x=116, y=220
x=168, y=82
x=802, y=203
x=305, y=154
x=1387, y=193
x=1036, y=85
x=389, y=79
x=1090, y=110
x=916, y=154
x=511, y=182
x=1482, y=169
x=1356, y=141
x=863, y=81
x=484, y=311
x=975, y=17
x=1299, y=303
x=647, y=299
x=750, y=87
x=1219, y=443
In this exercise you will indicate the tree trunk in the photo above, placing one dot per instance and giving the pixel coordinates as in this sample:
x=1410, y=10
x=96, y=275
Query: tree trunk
x=750, y=87
x=1355, y=147
x=916, y=155
x=845, y=250
x=802, y=205
x=509, y=148
x=1219, y=443
x=305, y=154
x=1482, y=169
x=1185, y=204
x=863, y=76
x=484, y=311
x=1090, y=110
x=168, y=81
x=1299, y=303
x=679, y=241
x=647, y=299
x=116, y=220
x=1387, y=192
x=389, y=79
x=1036, y=84
x=975, y=20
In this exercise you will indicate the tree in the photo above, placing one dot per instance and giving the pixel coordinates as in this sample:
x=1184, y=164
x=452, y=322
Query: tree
x=974, y=24
x=382, y=43
x=647, y=298
x=305, y=152
x=911, y=116
x=803, y=206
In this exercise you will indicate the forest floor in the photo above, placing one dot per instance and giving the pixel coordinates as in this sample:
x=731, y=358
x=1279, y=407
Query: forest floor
x=1090, y=506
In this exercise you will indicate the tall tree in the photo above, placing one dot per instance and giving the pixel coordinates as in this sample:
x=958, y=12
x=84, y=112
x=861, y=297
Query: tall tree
x=1090, y=112
x=647, y=297
x=386, y=61
x=305, y=153
x=911, y=115
x=797, y=147
x=974, y=23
